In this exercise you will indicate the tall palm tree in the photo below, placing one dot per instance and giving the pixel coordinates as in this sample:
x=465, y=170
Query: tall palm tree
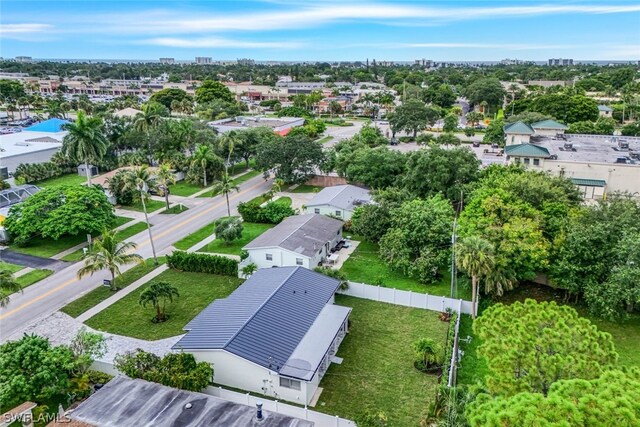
x=141, y=181
x=157, y=294
x=152, y=114
x=226, y=186
x=8, y=286
x=108, y=253
x=203, y=156
x=86, y=141
x=499, y=280
x=474, y=256
x=165, y=177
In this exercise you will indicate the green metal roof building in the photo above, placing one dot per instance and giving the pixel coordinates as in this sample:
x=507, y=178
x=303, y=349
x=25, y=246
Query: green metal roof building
x=520, y=128
x=549, y=124
x=526, y=150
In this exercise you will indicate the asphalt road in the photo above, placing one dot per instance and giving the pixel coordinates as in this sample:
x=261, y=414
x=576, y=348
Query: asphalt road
x=57, y=290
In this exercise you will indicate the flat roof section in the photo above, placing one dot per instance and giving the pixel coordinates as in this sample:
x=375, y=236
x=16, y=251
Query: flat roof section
x=17, y=144
x=588, y=148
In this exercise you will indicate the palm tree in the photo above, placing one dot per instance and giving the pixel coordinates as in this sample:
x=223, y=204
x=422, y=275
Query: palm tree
x=157, y=294
x=226, y=186
x=152, y=114
x=428, y=350
x=8, y=286
x=108, y=252
x=85, y=141
x=165, y=177
x=203, y=156
x=474, y=256
x=499, y=280
x=140, y=180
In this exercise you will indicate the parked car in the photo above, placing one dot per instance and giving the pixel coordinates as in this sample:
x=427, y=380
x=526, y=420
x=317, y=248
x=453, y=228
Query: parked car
x=476, y=143
x=393, y=141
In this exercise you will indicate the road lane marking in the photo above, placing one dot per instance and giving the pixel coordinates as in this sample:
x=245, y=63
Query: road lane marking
x=146, y=242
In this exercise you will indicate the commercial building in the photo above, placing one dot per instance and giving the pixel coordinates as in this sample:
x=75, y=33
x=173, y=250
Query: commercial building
x=24, y=59
x=339, y=201
x=204, y=60
x=276, y=334
x=280, y=125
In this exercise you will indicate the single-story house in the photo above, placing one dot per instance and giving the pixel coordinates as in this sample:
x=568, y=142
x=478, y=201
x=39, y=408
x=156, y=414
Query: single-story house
x=134, y=402
x=339, y=201
x=299, y=240
x=527, y=154
x=518, y=133
x=276, y=334
x=604, y=111
x=549, y=128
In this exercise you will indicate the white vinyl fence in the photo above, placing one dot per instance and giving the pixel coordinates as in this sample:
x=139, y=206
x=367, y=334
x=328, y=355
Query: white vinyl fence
x=407, y=298
x=320, y=419
x=453, y=364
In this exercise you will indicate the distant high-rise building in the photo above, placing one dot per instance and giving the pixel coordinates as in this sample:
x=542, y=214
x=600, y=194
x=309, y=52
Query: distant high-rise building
x=24, y=59
x=560, y=61
x=167, y=60
x=427, y=63
x=246, y=61
x=203, y=60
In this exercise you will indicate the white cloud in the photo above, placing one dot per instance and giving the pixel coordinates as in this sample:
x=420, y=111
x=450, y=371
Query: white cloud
x=507, y=46
x=212, y=42
x=27, y=28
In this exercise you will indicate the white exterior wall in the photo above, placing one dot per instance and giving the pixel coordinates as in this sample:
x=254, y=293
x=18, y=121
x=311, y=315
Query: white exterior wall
x=329, y=211
x=36, y=157
x=516, y=138
x=234, y=371
x=281, y=258
x=619, y=177
x=548, y=132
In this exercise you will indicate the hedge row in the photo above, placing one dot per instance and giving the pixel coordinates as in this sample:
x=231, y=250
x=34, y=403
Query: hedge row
x=272, y=213
x=201, y=263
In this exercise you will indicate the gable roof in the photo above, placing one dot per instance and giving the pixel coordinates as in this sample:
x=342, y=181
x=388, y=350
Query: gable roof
x=43, y=139
x=127, y=112
x=520, y=128
x=135, y=402
x=526, y=150
x=346, y=197
x=302, y=234
x=604, y=108
x=549, y=124
x=52, y=126
x=265, y=319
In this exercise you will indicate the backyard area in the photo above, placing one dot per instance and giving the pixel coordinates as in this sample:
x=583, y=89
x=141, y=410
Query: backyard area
x=377, y=372
x=197, y=290
x=69, y=179
x=304, y=188
x=249, y=232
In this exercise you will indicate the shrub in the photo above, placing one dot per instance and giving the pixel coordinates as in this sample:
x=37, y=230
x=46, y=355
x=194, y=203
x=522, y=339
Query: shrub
x=201, y=263
x=31, y=173
x=272, y=213
x=117, y=186
x=228, y=229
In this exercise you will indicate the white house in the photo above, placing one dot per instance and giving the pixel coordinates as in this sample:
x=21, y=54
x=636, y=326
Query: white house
x=276, y=334
x=518, y=133
x=299, y=240
x=604, y=111
x=339, y=201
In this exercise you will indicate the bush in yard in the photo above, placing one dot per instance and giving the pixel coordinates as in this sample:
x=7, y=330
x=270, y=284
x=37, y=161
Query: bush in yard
x=58, y=211
x=371, y=419
x=428, y=352
x=250, y=212
x=334, y=274
x=124, y=194
x=228, y=229
x=179, y=370
x=201, y=263
x=274, y=213
x=157, y=294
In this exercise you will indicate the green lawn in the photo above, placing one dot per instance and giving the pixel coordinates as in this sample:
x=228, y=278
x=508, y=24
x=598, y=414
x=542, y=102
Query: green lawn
x=71, y=178
x=46, y=248
x=365, y=266
x=304, y=188
x=286, y=201
x=249, y=232
x=325, y=139
x=11, y=267
x=123, y=234
x=152, y=206
x=259, y=199
x=99, y=294
x=197, y=290
x=239, y=180
x=195, y=237
x=177, y=209
x=472, y=368
x=29, y=279
x=184, y=188
x=377, y=372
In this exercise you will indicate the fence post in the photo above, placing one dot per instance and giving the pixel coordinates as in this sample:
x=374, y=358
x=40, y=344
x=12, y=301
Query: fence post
x=277, y=406
x=248, y=398
x=337, y=421
x=394, y=295
x=219, y=391
x=306, y=412
x=426, y=301
x=378, y=292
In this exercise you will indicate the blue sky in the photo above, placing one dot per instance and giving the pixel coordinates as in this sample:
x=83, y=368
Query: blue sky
x=321, y=30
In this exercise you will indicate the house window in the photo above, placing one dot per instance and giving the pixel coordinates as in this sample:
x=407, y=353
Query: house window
x=516, y=159
x=526, y=161
x=298, y=261
x=269, y=257
x=316, y=210
x=338, y=213
x=536, y=162
x=289, y=383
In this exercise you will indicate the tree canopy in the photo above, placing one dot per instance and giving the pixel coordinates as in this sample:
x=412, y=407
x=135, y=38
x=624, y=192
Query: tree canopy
x=487, y=90
x=167, y=97
x=212, y=90
x=293, y=158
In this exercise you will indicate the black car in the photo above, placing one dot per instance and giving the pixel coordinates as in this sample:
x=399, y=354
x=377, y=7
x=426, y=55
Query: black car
x=393, y=141
x=476, y=143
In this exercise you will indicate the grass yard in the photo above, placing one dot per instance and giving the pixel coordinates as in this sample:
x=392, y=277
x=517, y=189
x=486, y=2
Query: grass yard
x=197, y=290
x=286, y=201
x=365, y=266
x=377, y=372
x=152, y=206
x=46, y=248
x=71, y=179
x=101, y=293
x=325, y=139
x=250, y=231
x=195, y=237
x=304, y=188
x=11, y=267
x=237, y=181
x=184, y=188
x=259, y=199
x=173, y=210
x=29, y=279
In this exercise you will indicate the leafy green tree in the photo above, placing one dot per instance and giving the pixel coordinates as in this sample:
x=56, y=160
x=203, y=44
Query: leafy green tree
x=249, y=269
x=117, y=187
x=565, y=107
x=141, y=180
x=529, y=346
x=377, y=167
x=370, y=136
x=153, y=113
x=11, y=91
x=413, y=116
x=610, y=399
x=334, y=274
x=441, y=95
x=417, y=241
x=228, y=229
x=165, y=177
x=109, y=253
x=85, y=141
x=474, y=256
x=31, y=369
x=157, y=294
x=225, y=186
x=632, y=129
x=494, y=133
x=528, y=117
x=371, y=221
x=58, y=211
x=438, y=170
x=168, y=97
x=8, y=286
x=450, y=123
x=211, y=90
x=248, y=140
x=487, y=90
x=86, y=347
x=474, y=118
x=294, y=158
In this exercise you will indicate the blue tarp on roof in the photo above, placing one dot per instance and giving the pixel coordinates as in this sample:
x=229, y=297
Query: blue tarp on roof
x=51, y=125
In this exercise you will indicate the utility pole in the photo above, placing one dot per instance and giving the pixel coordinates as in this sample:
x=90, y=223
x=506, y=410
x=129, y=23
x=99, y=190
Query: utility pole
x=454, y=272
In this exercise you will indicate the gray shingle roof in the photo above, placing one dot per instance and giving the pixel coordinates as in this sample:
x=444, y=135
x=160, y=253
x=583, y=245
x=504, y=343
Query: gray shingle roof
x=341, y=196
x=126, y=402
x=265, y=319
x=303, y=234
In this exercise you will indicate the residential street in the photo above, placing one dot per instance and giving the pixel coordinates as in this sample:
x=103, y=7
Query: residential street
x=54, y=292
